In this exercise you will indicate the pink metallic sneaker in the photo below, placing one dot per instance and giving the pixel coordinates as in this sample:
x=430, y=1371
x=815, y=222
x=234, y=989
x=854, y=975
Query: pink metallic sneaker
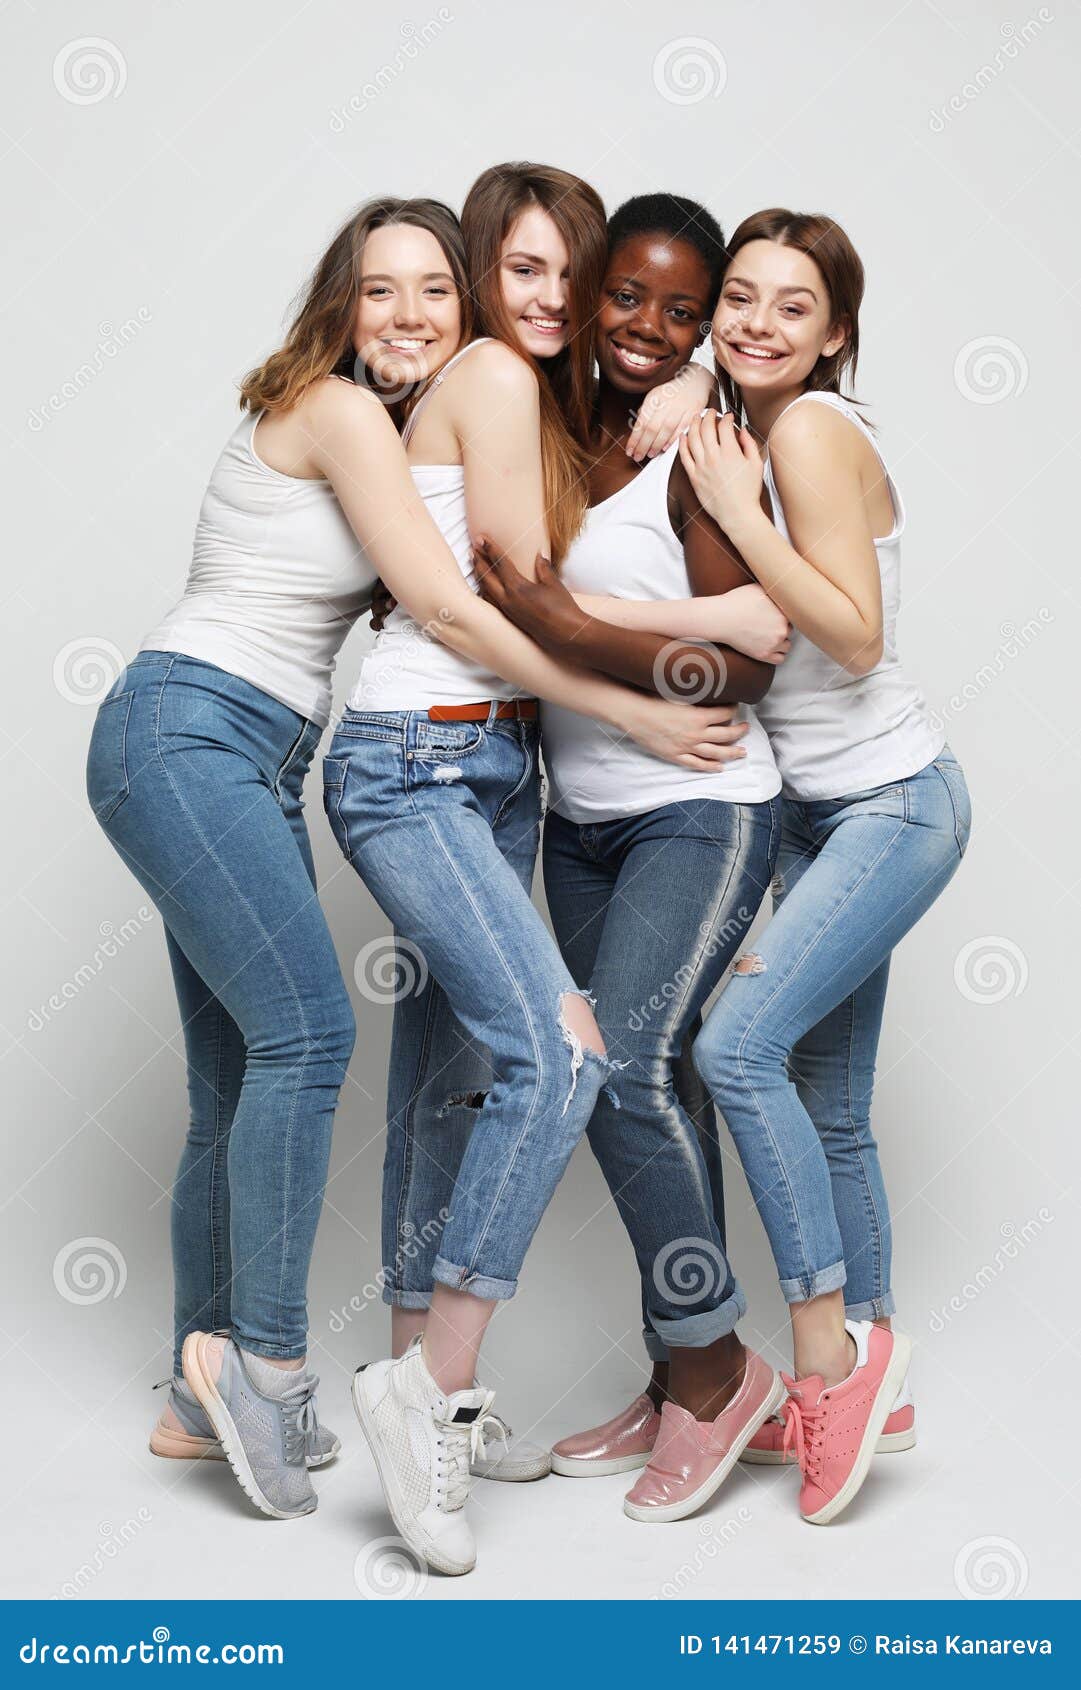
x=766, y=1448
x=621, y=1444
x=692, y=1458
x=834, y=1430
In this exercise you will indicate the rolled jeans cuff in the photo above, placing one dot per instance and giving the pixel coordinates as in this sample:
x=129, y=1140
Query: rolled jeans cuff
x=814, y=1284
x=656, y=1348
x=695, y=1331
x=406, y=1299
x=878, y=1308
x=477, y=1284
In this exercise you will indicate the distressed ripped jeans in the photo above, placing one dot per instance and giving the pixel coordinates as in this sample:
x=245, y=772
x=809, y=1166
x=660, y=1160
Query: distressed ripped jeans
x=489, y=1088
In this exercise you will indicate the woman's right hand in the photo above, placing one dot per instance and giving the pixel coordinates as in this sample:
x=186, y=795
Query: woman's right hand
x=696, y=736
x=383, y=602
x=759, y=629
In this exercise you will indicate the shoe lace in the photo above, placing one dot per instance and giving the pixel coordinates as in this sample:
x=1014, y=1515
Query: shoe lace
x=300, y=1421
x=804, y=1431
x=458, y=1447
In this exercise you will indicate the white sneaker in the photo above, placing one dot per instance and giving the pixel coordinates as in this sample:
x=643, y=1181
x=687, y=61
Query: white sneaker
x=514, y=1460
x=423, y=1443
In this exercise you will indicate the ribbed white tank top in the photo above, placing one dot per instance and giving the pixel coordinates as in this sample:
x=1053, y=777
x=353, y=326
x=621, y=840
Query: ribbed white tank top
x=408, y=668
x=834, y=733
x=277, y=580
x=628, y=549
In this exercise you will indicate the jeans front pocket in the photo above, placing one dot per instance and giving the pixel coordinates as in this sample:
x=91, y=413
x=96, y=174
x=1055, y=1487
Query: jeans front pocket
x=107, y=783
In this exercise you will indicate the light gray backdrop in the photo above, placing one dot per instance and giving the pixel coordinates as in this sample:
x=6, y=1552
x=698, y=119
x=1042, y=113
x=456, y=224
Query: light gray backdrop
x=172, y=172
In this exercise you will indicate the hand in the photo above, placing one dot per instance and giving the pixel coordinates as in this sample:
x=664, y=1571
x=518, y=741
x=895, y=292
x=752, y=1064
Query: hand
x=666, y=411
x=383, y=602
x=542, y=608
x=696, y=736
x=759, y=629
x=726, y=469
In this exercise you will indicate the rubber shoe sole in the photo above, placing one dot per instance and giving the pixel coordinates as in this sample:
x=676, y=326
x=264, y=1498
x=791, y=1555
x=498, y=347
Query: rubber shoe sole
x=597, y=1468
x=185, y=1446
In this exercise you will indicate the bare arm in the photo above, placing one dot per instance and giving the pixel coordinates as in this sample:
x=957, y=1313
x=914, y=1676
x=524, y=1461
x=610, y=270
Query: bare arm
x=827, y=581
x=667, y=410
x=746, y=618
x=351, y=440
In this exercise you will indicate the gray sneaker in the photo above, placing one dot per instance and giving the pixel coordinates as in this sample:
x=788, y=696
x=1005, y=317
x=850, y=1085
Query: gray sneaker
x=264, y=1439
x=198, y=1440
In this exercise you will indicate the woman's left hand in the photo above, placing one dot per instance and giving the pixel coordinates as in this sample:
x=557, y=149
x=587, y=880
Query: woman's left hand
x=725, y=467
x=666, y=411
x=543, y=608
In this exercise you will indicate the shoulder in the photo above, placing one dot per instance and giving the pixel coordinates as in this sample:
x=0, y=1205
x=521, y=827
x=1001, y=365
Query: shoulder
x=334, y=404
x=813, y=438
x=493, y=367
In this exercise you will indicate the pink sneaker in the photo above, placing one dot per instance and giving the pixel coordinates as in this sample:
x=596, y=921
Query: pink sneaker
x=621, y=1444
x=834, y=1430
x=692, y=1458
x=766, y=1448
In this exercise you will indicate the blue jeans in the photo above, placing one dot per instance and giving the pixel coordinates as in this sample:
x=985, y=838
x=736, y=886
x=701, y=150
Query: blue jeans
x=196, y=778
x=789, y=1048
x=441, y=820
x=650, y=910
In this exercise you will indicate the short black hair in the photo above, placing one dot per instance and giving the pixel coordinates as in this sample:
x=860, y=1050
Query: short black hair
x=677, y=218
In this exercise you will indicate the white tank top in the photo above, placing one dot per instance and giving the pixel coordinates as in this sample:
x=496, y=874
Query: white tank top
x=277, y=580
x=408, y=668
x=834, y=733
x=628, y=549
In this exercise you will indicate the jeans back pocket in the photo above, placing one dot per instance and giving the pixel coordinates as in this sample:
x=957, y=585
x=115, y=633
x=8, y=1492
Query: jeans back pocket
x=107, y=783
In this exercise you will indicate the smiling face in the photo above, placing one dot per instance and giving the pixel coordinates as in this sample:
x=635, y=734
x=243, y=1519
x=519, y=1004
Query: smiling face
x=654, y=301
x=408, y=319
x=534, y=277
x=774, y=319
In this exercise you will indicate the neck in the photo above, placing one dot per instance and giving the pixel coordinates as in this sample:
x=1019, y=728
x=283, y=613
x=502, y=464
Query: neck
x=763, y=409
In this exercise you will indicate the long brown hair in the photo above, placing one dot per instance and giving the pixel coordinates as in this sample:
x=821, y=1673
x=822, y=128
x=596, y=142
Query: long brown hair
x=320, y=338
x=494, y=203
x=839, y=264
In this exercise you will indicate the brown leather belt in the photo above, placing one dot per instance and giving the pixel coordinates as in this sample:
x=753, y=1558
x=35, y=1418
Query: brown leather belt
x=507, y=709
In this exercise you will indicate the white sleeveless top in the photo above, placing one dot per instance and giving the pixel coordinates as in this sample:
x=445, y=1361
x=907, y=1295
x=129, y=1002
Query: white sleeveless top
x=628, y=549
x=833, y=733
x=277, y=580
x=408, y=668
